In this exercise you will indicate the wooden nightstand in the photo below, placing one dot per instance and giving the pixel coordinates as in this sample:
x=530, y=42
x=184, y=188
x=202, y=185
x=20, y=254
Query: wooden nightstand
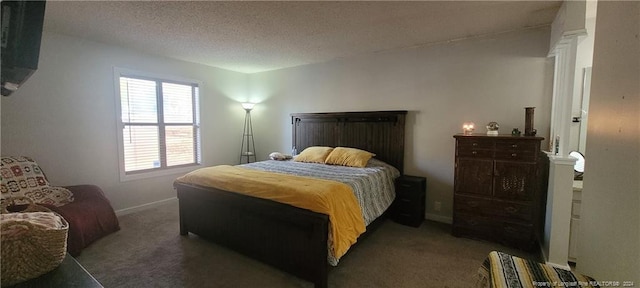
x=408, y=207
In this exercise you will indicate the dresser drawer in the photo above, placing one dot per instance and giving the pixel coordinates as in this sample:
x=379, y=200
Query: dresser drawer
x=475, y=148
x=516, y=155
x=473, y=205
x=520, y=236
x=475, y=143
x=473, y=226
x=516, y=145
x=475, y=153
x=516, y=231
x=516, y=150
x=513, y=211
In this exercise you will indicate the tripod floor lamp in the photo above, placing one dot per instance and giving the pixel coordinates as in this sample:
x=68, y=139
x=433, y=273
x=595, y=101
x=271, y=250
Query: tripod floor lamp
x=248, y=147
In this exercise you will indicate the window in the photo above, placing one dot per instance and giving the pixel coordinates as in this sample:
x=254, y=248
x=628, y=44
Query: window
x=159, y=125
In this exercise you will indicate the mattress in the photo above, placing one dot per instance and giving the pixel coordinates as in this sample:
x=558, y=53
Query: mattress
x=372, y=185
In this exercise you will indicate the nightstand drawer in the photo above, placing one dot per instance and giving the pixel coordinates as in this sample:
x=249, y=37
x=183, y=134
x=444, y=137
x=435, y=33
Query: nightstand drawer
x=409, y=206
x=410, y=219
x=408, y=187
x=409, y=195
x=407, y=201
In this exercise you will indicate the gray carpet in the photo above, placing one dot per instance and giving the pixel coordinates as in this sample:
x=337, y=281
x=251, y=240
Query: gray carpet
x=149, y=252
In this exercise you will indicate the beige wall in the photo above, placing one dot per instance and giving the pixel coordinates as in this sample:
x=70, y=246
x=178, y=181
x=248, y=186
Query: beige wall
x=609, y=245
x=64, y=116
x=479, y=80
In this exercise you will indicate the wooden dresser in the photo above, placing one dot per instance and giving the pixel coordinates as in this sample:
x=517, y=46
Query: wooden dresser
x=498, y=189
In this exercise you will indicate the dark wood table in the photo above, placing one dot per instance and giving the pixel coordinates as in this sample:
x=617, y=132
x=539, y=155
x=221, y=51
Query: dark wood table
x=69, y=274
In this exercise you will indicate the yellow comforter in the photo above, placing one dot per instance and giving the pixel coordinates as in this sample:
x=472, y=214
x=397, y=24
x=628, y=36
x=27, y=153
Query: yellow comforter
x=323, y=196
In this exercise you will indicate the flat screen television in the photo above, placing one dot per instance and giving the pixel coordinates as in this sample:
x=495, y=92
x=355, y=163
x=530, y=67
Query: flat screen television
x=21, y=35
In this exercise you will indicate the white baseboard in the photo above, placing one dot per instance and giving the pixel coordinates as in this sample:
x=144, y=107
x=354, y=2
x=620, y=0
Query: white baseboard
x=146, y=206
x=439, y=218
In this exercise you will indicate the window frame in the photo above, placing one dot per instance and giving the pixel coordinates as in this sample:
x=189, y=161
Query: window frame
x=163, y=170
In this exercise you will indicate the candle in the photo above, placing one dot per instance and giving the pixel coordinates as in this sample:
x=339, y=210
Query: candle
x=468, y=128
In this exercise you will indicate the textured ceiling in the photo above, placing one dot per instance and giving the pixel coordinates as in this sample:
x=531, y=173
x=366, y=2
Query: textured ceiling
x=259, y=36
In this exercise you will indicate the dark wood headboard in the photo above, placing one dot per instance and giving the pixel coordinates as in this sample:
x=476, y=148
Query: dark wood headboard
x=380, y=132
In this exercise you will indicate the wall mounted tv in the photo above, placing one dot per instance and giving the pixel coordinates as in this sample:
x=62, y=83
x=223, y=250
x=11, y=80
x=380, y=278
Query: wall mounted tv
x=21, y=34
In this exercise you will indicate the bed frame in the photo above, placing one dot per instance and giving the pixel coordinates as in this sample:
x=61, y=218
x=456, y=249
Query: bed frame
x=289, y=238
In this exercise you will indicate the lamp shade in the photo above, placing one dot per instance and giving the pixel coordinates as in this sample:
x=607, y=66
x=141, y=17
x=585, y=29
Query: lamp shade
x=248, y=106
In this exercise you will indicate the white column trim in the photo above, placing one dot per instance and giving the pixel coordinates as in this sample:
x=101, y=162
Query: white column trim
x=558, y=214
x=563, y=89
x=560, y=189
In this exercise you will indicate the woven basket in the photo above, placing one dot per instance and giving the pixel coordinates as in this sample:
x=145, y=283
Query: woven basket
x=29, y=250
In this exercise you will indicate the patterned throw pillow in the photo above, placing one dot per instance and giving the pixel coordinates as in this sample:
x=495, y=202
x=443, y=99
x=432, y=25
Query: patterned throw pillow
x=22, y=177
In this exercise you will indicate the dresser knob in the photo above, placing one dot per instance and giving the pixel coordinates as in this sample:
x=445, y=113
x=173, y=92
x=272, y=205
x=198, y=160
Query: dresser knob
x=514, y=145
x=475, y=144
x=514, y=154
x=474, y=152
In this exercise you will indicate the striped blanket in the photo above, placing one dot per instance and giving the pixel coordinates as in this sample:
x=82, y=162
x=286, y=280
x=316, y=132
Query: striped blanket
x=372, y=185
x=501, y=270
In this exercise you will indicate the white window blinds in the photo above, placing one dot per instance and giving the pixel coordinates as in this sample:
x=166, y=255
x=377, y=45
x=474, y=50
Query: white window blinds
x=159, y=124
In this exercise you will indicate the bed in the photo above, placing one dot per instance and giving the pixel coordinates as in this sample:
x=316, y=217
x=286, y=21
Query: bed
x=293, y=239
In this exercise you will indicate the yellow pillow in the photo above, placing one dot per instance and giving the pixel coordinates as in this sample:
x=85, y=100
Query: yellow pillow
x=349, y=157
x=314, y=154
